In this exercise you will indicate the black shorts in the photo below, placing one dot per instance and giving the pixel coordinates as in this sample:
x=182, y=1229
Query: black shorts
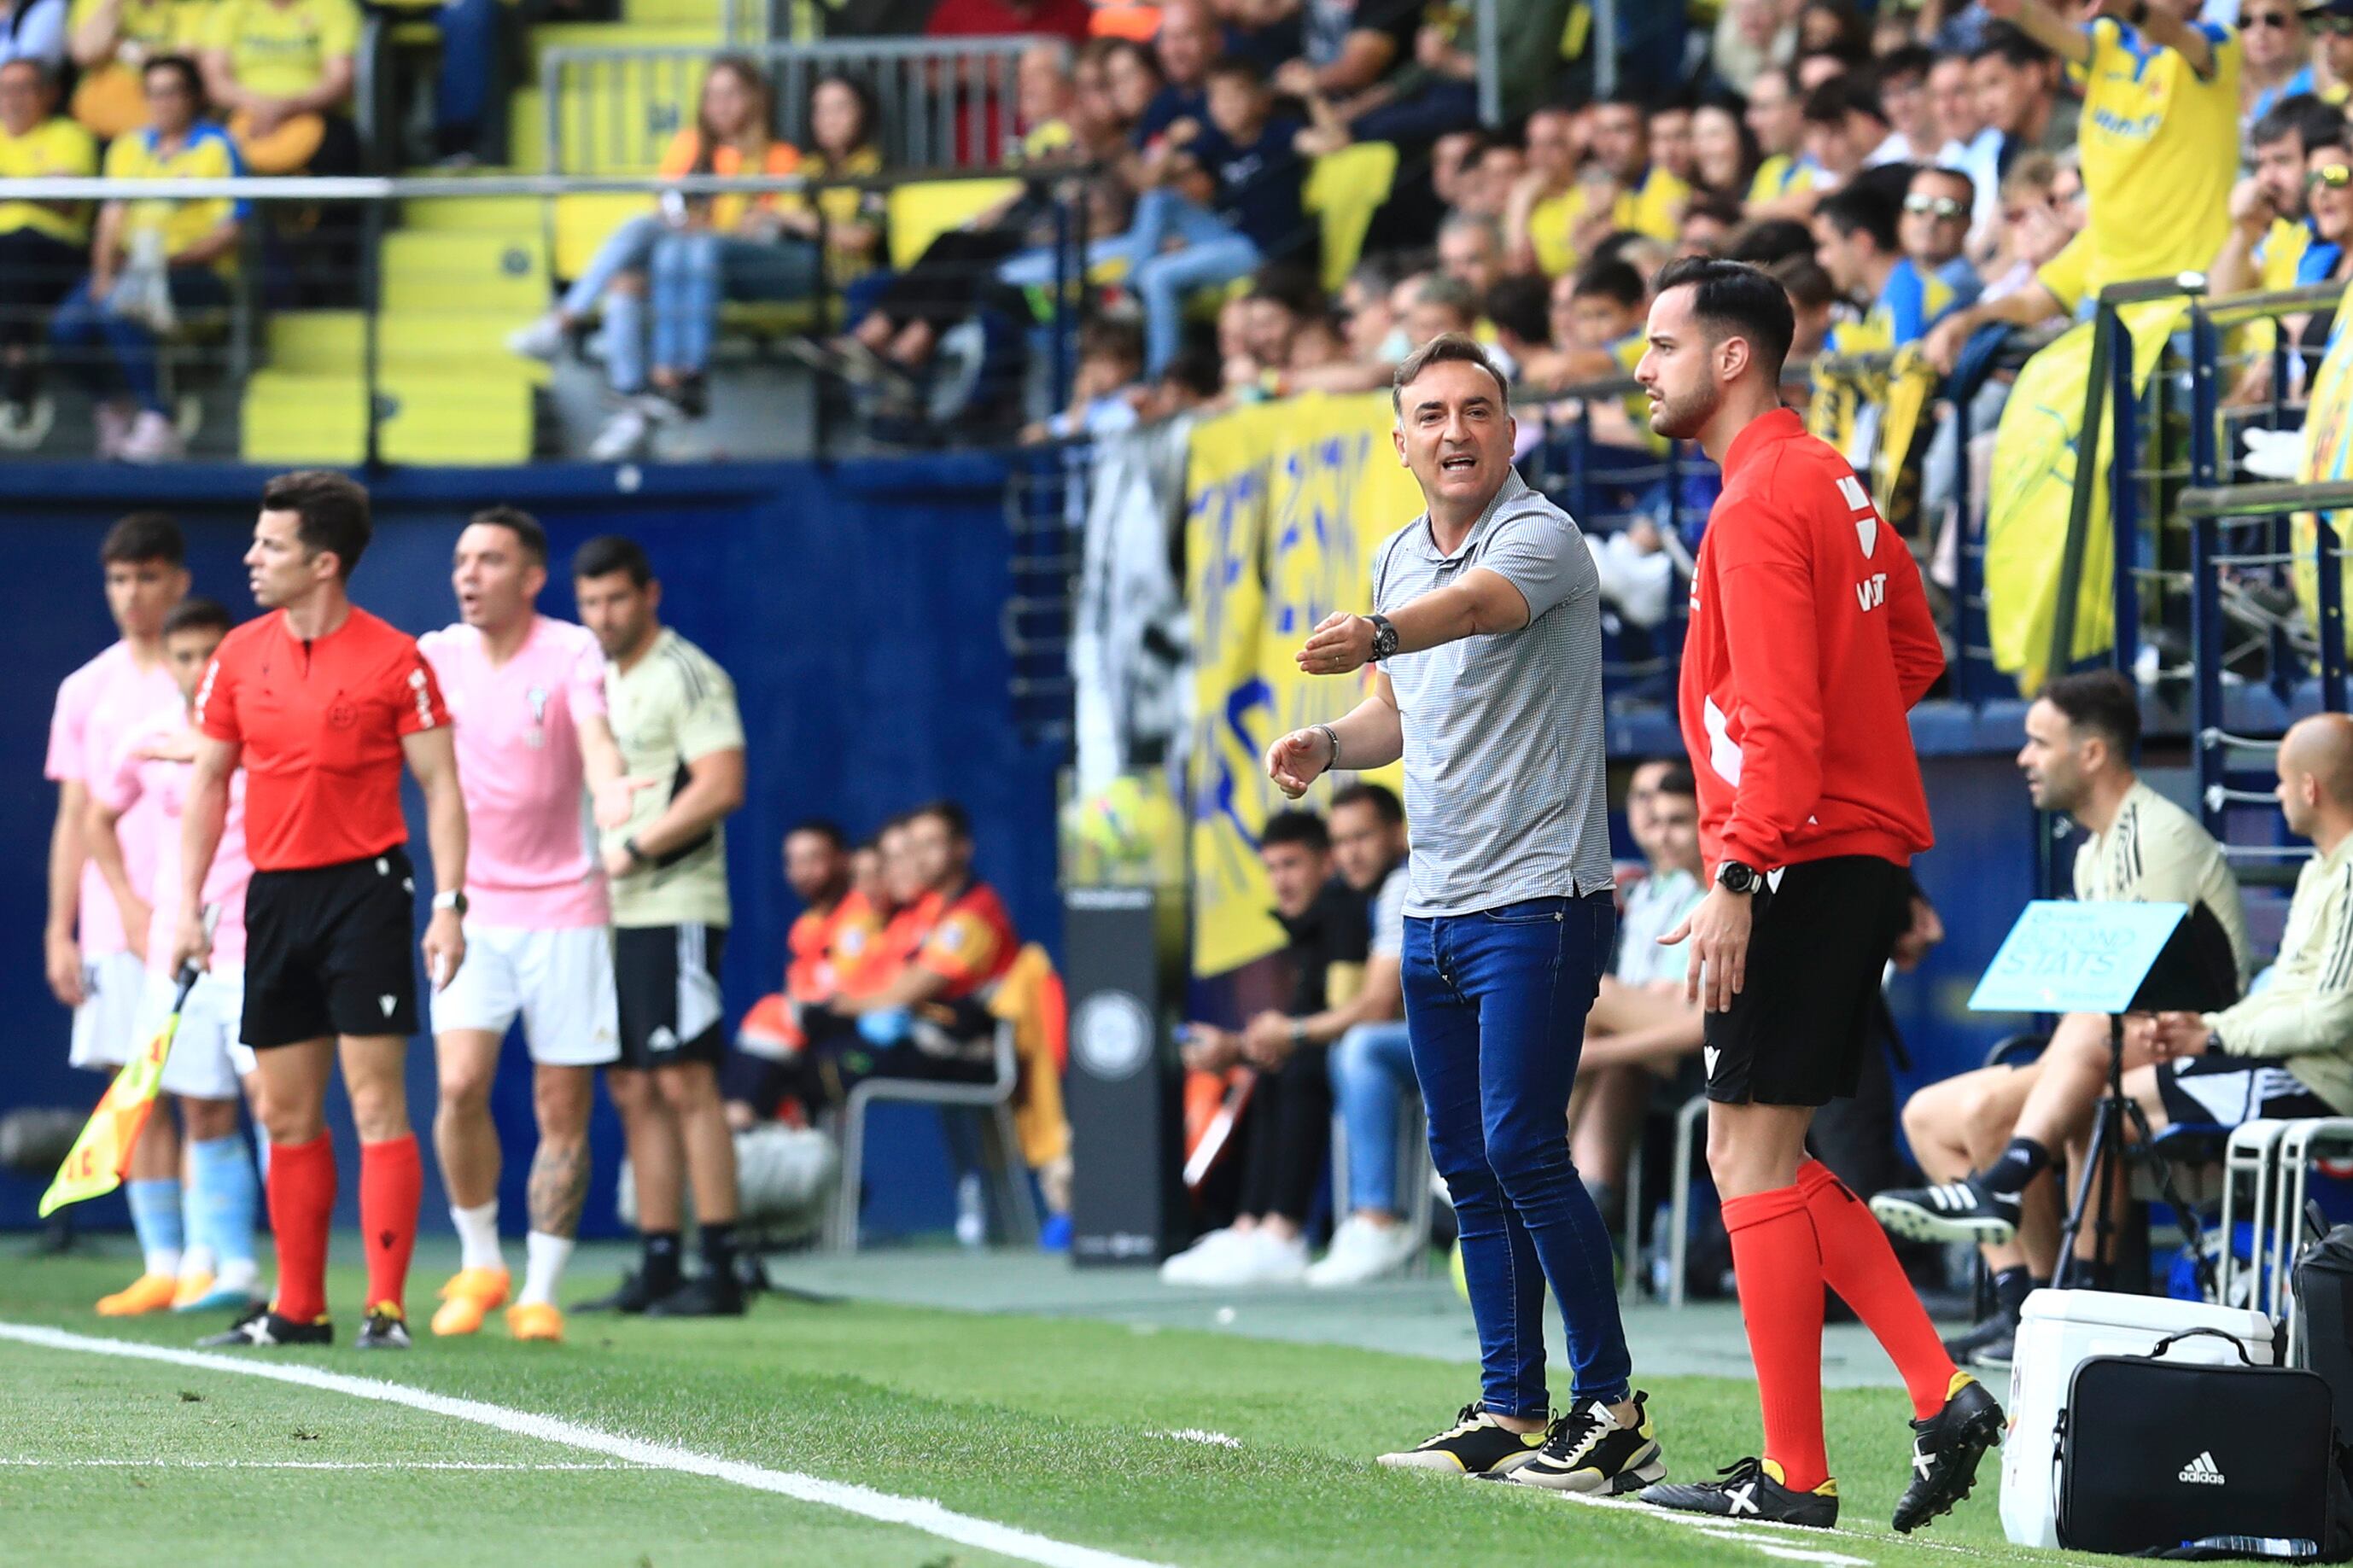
x=667, y=981
x=327, y=951
x=2225, y=1091
x=1810, y=1006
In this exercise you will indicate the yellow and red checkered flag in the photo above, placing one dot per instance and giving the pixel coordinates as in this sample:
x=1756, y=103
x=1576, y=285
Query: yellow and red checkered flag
x=95, y=1165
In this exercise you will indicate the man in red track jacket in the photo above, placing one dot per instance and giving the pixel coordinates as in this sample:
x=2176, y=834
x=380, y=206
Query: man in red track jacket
x=1809, y=641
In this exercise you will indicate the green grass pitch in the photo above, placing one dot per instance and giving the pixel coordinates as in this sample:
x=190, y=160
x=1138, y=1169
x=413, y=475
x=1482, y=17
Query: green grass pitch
x=1061, y=1428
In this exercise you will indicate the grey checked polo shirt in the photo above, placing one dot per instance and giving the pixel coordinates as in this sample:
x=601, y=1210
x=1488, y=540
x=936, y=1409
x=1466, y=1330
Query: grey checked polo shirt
x=1505, y=780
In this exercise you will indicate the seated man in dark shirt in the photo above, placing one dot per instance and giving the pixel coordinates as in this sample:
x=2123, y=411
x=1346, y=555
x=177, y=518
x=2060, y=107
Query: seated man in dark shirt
x=1250, y=159
x=1286, y=1122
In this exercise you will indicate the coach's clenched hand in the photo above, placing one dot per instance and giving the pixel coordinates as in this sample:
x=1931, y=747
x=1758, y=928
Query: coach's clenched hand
x=1340, y=643
x=445, y=947
x=1717, y=927
x=1295, y=760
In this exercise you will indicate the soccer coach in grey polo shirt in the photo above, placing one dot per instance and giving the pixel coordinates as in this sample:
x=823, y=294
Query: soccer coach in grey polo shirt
x=1486, y=637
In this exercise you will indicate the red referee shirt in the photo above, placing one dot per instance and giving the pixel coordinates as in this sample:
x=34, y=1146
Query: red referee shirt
x=1809, y=641
x=319, y=723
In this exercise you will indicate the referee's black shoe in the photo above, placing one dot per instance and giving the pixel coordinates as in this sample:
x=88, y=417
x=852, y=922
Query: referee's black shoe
x=1750, y=1489
x=634, y=1296
x=1966, y=1210
x=1945, y=1449
x=704, y=1296
x=262, y=1327
x=385, y=1330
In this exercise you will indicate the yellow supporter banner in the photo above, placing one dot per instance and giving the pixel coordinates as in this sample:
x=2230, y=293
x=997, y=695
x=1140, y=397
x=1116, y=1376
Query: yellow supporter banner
x=2035, y=469
x=1285, y=505
x=2327, y=455
x=94, y=1167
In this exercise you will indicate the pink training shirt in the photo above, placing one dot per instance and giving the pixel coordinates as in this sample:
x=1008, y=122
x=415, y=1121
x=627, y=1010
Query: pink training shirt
x=98, y=706
x=530, y=855
x=137, y=781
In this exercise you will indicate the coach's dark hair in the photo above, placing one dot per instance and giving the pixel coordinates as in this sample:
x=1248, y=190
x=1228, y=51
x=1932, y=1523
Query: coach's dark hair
x=1859, y=209
x=519, y=522
x=333, y=509
x=610, y=552
x=1445, y=348
x=2103, y=701
x=1732, y=298
x=141, y=537
x=2313, y=123
x=1296, y=828
x=825, y=827
x=1380, y=797
x=197, y=614
x=1677, y=781
x=949, y=814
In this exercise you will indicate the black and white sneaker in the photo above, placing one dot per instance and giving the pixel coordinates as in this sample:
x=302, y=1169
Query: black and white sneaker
x=262, y=1327
x=1750, y=1489
x=1473, y=1446
x=1587, y=1451
x=1996, y=1355
x=2001, y=1328
x=1956, y=1211
x=704, y=1296
x=1945, y=1449
x=385, y=1330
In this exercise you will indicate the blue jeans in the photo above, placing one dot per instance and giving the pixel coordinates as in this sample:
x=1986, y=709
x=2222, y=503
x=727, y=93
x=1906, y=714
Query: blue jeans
x=1209, y=252
x=82, y=325
x=1371, y=1066
x=625, y=249
x=693, y=269
x=1496, y=1001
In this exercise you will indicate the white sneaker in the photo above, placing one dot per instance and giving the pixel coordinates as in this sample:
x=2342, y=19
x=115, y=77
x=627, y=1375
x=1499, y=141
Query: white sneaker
x=622, y=436
x=113, y=424
x=1635, y=579
x=1266, y=1260
x=1363, y=1251
x=543, y=340
x=153, y=438
x=1184, y=1268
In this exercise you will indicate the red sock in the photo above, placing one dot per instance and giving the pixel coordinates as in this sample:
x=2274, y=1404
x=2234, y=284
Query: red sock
x=301, y=1205
x=392, y=1184
x=1778, y=1265
x=1859, y=1264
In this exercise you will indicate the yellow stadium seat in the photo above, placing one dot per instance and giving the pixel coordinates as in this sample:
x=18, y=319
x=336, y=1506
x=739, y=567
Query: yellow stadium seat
x=433, y=419
x=502, y=214
x=481, y=274
x=1343, y=191
x=678, y=15
x=618, y=117
x=921, y=213
x=527, y=129
x=316, y=342
x=301, y=419
x=583, y=223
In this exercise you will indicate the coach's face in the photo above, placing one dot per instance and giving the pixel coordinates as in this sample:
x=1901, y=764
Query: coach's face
x=620, y=613
x=2051, y=759
x=1455, y=434
x=495, y=579
x=1678, y=370
x=1297, y=874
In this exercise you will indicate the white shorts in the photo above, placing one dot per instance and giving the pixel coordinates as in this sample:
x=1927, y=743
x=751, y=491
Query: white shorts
x=559, y=982
x=203, y=1060
x=114, y=999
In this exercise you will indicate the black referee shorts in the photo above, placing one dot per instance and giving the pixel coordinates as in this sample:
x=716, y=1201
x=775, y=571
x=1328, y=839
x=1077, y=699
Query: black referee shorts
x=1818, y=946
x=327, y=951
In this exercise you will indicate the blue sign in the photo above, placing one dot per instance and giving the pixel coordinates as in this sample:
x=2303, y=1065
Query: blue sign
x=2068, y=957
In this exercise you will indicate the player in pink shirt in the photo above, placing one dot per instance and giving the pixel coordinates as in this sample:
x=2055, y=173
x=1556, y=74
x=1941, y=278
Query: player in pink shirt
x=150, y=775
x=93, y=944
x=526, y=697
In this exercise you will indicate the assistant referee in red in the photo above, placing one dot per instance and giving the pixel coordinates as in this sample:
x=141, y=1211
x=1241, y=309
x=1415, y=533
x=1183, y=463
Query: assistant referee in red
x=321, y=703
x=1809, y=641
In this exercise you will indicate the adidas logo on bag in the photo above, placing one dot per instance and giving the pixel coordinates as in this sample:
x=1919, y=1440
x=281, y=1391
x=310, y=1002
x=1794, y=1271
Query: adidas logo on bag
x=2202, y=1471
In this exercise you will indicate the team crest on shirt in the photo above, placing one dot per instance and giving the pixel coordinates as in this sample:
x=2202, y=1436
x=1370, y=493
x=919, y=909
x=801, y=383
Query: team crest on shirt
x=343, y=713
x=536, y=736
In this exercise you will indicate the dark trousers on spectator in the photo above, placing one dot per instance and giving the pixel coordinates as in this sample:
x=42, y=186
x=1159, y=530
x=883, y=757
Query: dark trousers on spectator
x=946, y=283
x=1496, y=1002
x=1287, y=1136
x=107, y=352
x=474, y=39
x=1419, y=118
x=36, y=270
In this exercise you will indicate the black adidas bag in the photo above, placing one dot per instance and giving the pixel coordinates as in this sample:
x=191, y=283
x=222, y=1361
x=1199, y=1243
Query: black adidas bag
x=2156, y=1455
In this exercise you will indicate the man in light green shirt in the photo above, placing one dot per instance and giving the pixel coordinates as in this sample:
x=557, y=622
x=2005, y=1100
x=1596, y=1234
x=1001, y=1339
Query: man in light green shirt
x=673, y=712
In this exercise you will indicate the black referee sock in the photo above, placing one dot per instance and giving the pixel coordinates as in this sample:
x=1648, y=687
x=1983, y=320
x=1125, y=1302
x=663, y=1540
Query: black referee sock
x=2010, y=1287
x=660, y=1270
x=2020, y=1163
x=719, y=1250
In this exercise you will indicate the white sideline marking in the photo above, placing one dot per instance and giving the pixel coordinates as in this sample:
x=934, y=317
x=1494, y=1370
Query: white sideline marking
x=916, y=1513
x=161, y=1464
x=1195, y=1434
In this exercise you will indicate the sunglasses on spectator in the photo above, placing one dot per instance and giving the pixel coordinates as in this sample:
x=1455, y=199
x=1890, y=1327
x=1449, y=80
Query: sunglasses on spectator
x=1943, y=206
x=2331, y=22
x=2336, y=176
x=2279, y=19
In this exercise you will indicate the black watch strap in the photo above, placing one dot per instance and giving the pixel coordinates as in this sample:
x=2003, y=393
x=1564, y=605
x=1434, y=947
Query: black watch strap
x=1385, y=637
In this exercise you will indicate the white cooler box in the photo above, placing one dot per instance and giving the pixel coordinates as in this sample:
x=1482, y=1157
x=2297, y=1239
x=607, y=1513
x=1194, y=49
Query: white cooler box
x=2063, y=1329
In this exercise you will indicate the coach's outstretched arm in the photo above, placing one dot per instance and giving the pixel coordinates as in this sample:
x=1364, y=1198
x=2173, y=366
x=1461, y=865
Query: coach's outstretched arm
x=201, y=821
x=433, y=758
x=1369, y=735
